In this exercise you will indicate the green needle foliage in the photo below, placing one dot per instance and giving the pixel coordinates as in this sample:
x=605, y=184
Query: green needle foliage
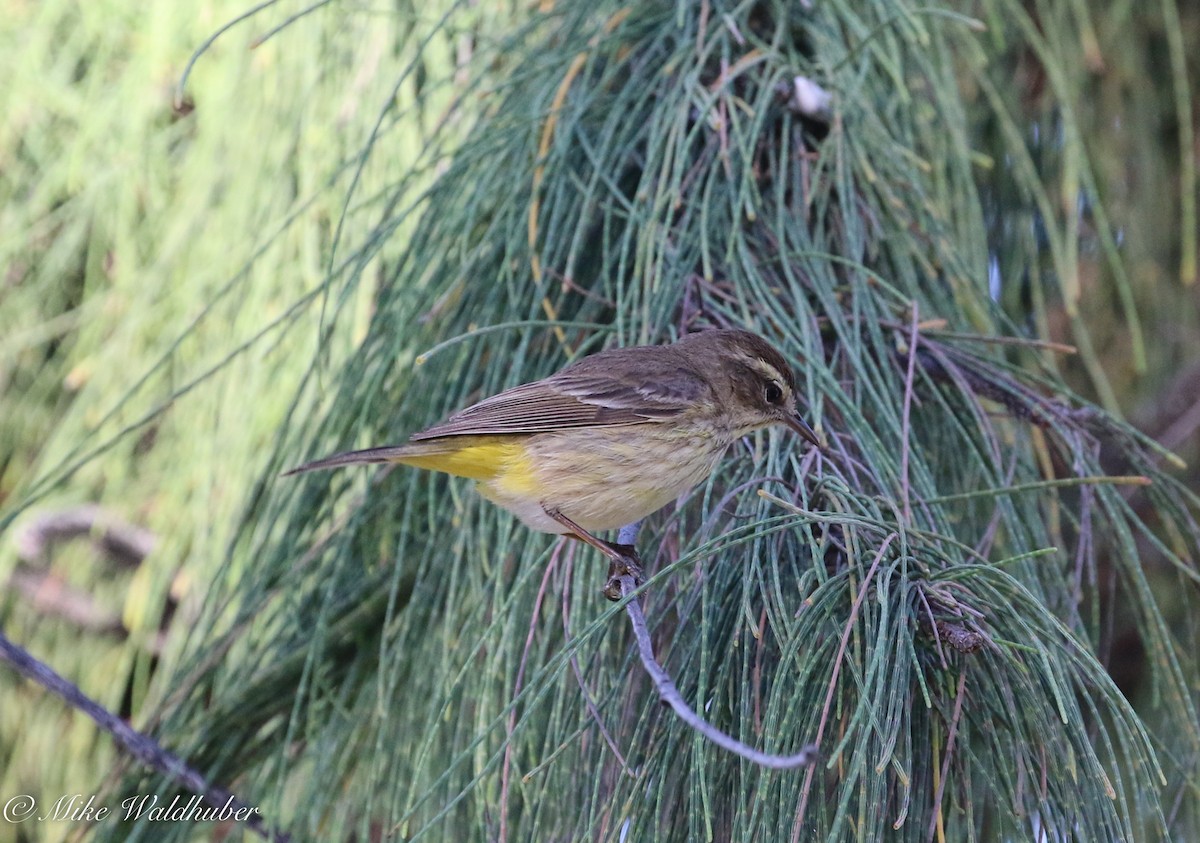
x=931, y=598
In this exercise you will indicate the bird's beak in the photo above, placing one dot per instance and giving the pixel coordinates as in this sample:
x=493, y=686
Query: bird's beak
x=801, y=426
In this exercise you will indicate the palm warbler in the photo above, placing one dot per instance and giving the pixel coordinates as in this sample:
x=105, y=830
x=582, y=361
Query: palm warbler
x=609, y=439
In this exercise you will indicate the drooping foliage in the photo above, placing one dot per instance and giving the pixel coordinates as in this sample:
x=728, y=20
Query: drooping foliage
x=932, y=598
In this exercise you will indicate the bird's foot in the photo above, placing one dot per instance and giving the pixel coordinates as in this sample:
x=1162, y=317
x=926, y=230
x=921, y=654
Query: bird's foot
x=625, y=562
x=623, y=558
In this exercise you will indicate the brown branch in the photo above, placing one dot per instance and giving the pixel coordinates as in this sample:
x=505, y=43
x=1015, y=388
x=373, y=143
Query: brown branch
x=46, y=594
x=120, y=541
x=142, y=747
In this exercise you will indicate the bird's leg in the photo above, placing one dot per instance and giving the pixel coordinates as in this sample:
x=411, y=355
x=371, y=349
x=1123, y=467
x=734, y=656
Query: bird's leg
x=623, y=558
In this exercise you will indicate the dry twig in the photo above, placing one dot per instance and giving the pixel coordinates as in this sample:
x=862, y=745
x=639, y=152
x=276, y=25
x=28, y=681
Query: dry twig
x=142, y=747
x=669, y=693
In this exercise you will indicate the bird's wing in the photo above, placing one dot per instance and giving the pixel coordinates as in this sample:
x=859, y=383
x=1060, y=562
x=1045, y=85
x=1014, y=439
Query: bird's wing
x=578, y=396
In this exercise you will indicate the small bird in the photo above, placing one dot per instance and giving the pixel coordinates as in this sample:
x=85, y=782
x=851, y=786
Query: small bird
x=609, y=439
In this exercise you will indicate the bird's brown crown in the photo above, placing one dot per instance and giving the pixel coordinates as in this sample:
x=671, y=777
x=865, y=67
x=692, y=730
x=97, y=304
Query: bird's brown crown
x=748, y=370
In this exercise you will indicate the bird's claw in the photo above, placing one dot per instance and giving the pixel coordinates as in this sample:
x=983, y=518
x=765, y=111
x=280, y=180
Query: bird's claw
x=626, y=563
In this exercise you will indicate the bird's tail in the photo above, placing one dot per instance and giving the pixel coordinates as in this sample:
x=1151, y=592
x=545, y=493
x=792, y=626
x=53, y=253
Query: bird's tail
x=479, y=458
x=389, y=453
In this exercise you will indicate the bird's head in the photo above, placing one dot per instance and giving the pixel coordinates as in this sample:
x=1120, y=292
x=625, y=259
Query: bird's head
x=753, y=381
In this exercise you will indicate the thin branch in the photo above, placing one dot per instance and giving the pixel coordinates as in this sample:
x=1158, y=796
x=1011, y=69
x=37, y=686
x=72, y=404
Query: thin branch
x=142, y=747
x=122, y=542
x=48, y=595
x=670, y=695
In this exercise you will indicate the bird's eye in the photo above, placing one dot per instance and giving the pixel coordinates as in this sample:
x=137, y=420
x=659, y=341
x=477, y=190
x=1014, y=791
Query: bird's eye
x=774, y=393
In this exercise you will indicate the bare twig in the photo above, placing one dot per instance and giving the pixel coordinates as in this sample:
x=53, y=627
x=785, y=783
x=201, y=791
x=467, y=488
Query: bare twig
x=46, y=594
x=125, y=543
x=670, y=695
x=142, y=747
x=120, y=542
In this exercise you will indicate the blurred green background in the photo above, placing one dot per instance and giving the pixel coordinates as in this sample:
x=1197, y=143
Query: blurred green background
x=180, y=277
x=164, y=267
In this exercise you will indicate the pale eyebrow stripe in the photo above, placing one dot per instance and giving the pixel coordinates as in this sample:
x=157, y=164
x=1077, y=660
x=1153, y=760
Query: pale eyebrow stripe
x=770, y=371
